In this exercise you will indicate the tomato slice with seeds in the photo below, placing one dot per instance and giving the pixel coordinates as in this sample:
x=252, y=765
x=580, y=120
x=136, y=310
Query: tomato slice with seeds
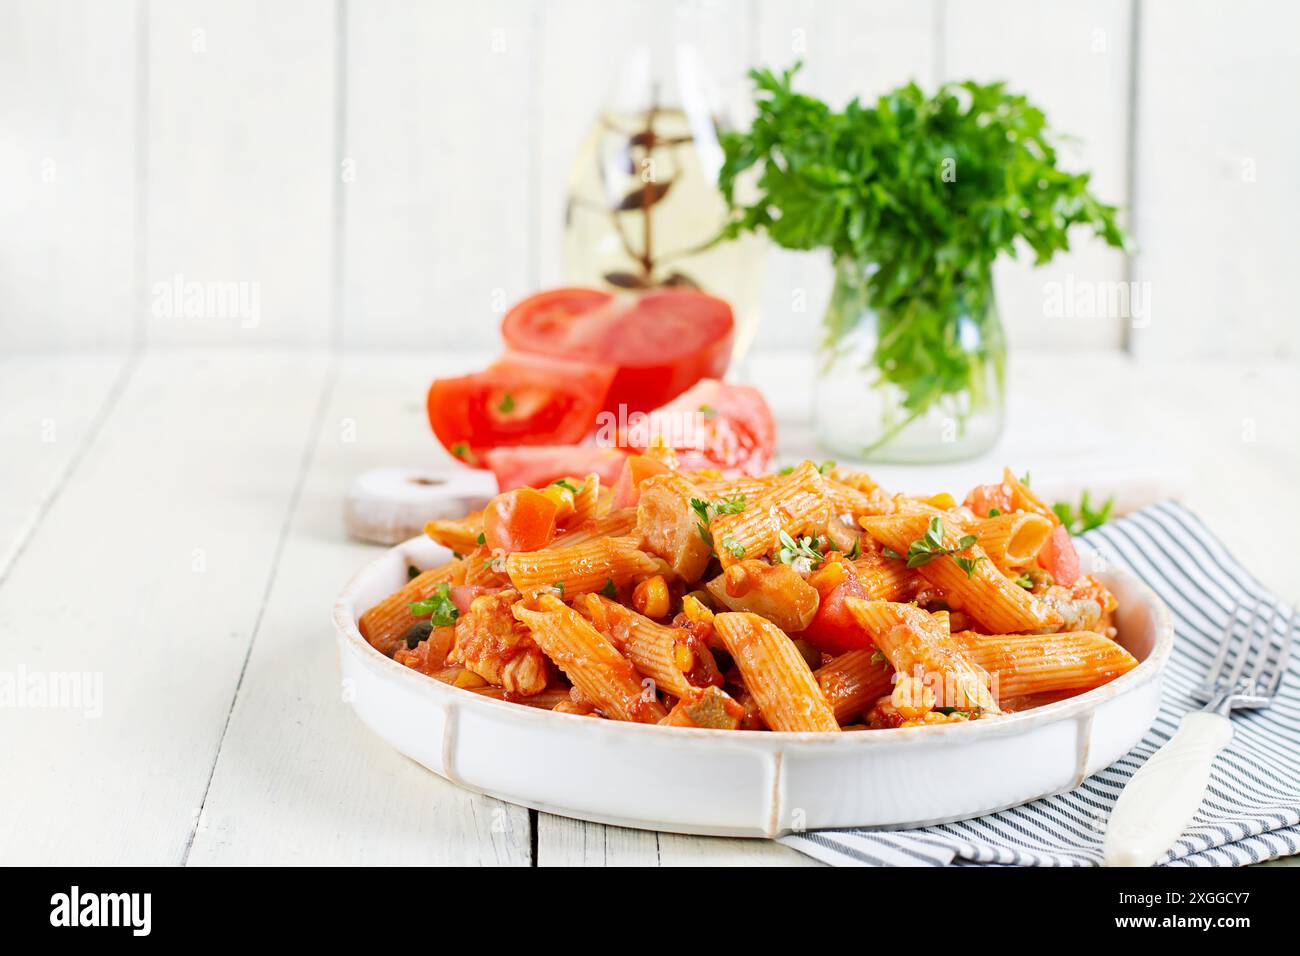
x=520, y=399
x=712, y=425
x=538, y=465
x=661, y=342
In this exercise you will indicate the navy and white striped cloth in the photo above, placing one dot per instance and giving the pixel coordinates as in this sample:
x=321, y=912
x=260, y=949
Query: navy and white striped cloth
x=1252, y=810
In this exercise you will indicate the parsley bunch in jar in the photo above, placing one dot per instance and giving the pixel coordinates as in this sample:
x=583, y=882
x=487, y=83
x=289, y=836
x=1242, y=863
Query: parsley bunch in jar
x=916, y=197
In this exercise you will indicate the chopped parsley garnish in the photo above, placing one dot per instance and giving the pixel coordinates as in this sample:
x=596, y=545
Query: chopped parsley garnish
x=994, y=512
x=438, y=607
x=826, y=467
x=734, y=548
x=1087, y=517
x=856, y=550
x=566, y=485
x=609, y=590
x=559, y=586
x=494, y=564
x=460, y=450
x=701, y=509
x=1024, y=479
x=1025, y=580
x=786, y=470
x=729, y=506
x=507, y=404
x=953, y=711
x=481, y=539
x=802, y=552
x=930, y=546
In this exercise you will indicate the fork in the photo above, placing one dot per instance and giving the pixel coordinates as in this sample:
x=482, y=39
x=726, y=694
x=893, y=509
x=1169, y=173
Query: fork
x=1163, y=796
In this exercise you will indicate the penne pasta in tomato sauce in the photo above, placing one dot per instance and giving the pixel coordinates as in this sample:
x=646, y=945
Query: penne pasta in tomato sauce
x=810, y=600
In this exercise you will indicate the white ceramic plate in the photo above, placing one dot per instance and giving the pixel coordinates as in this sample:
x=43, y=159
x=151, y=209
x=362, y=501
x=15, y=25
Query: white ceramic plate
x=737, y=783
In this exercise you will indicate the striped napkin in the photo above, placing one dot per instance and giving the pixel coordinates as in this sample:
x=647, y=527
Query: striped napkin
x=1252, y=810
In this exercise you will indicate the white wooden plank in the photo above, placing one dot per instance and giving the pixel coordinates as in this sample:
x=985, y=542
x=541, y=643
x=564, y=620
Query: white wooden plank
x=241, y=145
x=50, y=408
x=68, y=161
x=437, y=170
x=300, y=779
x=562, y=841
x=147, y=574
x=848, y=50
x=1074, y=61
x=1216, y=195
x=585, y=48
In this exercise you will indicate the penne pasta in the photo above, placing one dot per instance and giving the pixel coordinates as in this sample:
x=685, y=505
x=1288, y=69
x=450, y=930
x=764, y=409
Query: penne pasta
x=854, y=681
x=985, y=593
x=835, y=606
x=793, y=504
x=1011, y=540
x=783, y=686
x=673, y=657
x=615, y=524
x=577, y=569
x=587, y=658
x=1023, y=664
x=386, y=625
x=917, y=645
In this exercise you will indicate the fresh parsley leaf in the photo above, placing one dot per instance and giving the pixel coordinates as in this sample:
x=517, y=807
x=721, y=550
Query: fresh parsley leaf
x=460, y=450
x=953, y=710
x=891, y=553
x=994, y=512
x=437, y=607
x=701, y=509
x=1086, y=517
x=494, y=564
x=856, y=550
x=609, y=590
x=826, y=467
x=559, y=586
x=786, y=470
x=930, y=546
x=1024, y=479
x=566, y=485
x=801, y=554
x=1025, y=580
x=507, y=404
x=482, y=538
x=734, y=548
x=729, y=506
x=967, y=564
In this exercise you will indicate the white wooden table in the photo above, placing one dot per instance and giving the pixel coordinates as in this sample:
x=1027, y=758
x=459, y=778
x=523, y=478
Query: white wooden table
x=170, y=521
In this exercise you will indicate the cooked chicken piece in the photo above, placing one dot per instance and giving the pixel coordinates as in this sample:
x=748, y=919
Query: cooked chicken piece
x=710, y=707
x=496, y=647
x=671, y=527
x=774, y=591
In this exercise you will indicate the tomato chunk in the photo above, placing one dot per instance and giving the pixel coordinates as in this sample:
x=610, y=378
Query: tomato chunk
x=833, y=628
x=1059, y=558
x=520, y=399
x=712, y=425
x=636, y=469
x=538, y=465
x=661, y=342
x=984, y=498
x=519, y=520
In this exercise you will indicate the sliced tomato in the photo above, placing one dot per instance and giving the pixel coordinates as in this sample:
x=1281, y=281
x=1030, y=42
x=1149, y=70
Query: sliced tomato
x=463, y=595
x=662, y=342
x=536, y=466
x=520, y=399
x=519, y=520
x=712, y=425
x=984, y=498
x=636, y=469
x=833, y=629
x=1059, y=559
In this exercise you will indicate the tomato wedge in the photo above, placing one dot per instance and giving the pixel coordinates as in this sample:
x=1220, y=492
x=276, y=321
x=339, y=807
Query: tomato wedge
x=519, y=520
x=1059, y=558
x=984, y=498
x=536, y=466
x=713, y=425
x=520, y=399
x=661, y=342
x=636, y=469
x=833, y=628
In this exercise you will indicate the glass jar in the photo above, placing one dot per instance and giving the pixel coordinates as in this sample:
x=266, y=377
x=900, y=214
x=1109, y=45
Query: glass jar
x=917, y=380
x=643, y=205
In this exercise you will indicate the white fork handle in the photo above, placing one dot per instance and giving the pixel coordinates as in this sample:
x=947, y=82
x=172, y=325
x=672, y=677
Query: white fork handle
x=1161, y=798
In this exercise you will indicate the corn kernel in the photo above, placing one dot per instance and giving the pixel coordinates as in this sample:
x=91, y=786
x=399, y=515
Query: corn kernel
x=942, y=500
x=696, y=610
x=468, y=678
x=651, y=597
x=683, y=657
x=828, y=577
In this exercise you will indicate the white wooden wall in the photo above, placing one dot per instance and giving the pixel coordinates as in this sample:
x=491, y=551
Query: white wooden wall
x=390, y=173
